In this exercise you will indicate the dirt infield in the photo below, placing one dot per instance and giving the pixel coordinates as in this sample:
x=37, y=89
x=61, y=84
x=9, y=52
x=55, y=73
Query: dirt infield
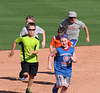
x=85, y=75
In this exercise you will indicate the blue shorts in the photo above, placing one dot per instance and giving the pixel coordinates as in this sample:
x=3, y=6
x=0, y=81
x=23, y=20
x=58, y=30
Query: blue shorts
x=74, y=42
x=62, y=81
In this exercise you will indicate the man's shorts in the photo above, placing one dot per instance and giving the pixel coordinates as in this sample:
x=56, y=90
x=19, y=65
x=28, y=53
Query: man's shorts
x=74, y=42
x=30, y=68
x=62, y=81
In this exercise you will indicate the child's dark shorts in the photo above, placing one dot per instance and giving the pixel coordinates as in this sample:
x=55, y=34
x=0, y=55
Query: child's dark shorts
x=30, y=68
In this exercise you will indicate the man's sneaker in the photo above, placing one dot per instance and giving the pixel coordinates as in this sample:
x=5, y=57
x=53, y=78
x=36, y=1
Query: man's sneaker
x=55, y=90
x=21, y=79
x=28, y=90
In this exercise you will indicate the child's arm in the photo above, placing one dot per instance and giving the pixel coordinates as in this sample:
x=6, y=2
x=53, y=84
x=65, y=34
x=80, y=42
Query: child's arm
x=43, y=42
x=73, y=58
x=13, y=49
x=50, y=58
x=87, y=33
x=51, y=45
x=33, y=52
x=51, y=48
x=36, y=49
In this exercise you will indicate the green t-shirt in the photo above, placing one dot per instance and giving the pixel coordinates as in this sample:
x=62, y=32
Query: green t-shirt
x=28, y=44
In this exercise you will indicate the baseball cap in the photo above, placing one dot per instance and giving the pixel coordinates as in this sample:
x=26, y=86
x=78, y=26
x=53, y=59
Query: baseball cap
x=63, y=36
x=72, y=14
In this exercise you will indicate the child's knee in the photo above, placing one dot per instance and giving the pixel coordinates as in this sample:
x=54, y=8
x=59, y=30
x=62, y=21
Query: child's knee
x=25, y=74
x=21, y=74
x=64, y=88
x=58, y=86
x=31, y=76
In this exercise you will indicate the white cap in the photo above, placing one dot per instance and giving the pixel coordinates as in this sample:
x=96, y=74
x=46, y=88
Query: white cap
x=72, y=14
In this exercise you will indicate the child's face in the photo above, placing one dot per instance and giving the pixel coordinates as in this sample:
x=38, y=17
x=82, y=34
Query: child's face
x=72, y=19
x=31, y=31
x=29, y=20
x=64, y=42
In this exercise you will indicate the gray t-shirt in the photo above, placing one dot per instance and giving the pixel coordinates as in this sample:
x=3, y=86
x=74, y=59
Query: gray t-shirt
x=72, y=29
x=38, y=30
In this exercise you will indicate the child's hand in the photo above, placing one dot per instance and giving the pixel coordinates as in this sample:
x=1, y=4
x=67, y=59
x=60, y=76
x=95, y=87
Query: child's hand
x=49, y=67
x=43, y=44
x=68, y=62
x=11, y=54
x=73, y=60
x=87, y=40
x=30, y=51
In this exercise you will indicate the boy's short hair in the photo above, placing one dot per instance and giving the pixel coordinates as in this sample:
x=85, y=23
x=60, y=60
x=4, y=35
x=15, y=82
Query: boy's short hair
x=31, y=24
x=61, y=30
x=30, y=17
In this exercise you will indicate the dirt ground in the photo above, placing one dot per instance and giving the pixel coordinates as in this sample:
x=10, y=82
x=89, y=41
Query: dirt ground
x=85, y=74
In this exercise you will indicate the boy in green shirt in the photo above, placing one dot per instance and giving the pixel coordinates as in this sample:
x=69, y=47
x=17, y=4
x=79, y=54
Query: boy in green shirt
x=29, y=54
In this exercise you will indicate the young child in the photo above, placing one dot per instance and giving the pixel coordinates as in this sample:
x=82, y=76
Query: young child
x=73, y=26
x=29, y=54
x=63, y=64
x=55, y=40
x=24, y=31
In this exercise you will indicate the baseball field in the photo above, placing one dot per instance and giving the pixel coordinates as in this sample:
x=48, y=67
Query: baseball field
x=48, y=14
x=85, y=74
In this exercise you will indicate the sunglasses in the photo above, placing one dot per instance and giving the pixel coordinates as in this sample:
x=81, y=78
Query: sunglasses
x=31, y=29
x=71, y=17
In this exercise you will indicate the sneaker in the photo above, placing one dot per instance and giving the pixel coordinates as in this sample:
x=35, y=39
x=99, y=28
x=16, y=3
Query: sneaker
x=55, y=90
x=21, y=79
x=28, y=90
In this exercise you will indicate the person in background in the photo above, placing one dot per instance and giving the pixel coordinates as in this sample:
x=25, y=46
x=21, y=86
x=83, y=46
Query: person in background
x=55, y=40
x=73, y=26
x=24, y=31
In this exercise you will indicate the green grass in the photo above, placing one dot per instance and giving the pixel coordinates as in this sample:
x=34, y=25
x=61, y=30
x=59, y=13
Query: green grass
x=48, y=14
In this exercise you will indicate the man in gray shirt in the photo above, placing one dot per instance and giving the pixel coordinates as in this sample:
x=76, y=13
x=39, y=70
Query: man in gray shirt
x=72, y=26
